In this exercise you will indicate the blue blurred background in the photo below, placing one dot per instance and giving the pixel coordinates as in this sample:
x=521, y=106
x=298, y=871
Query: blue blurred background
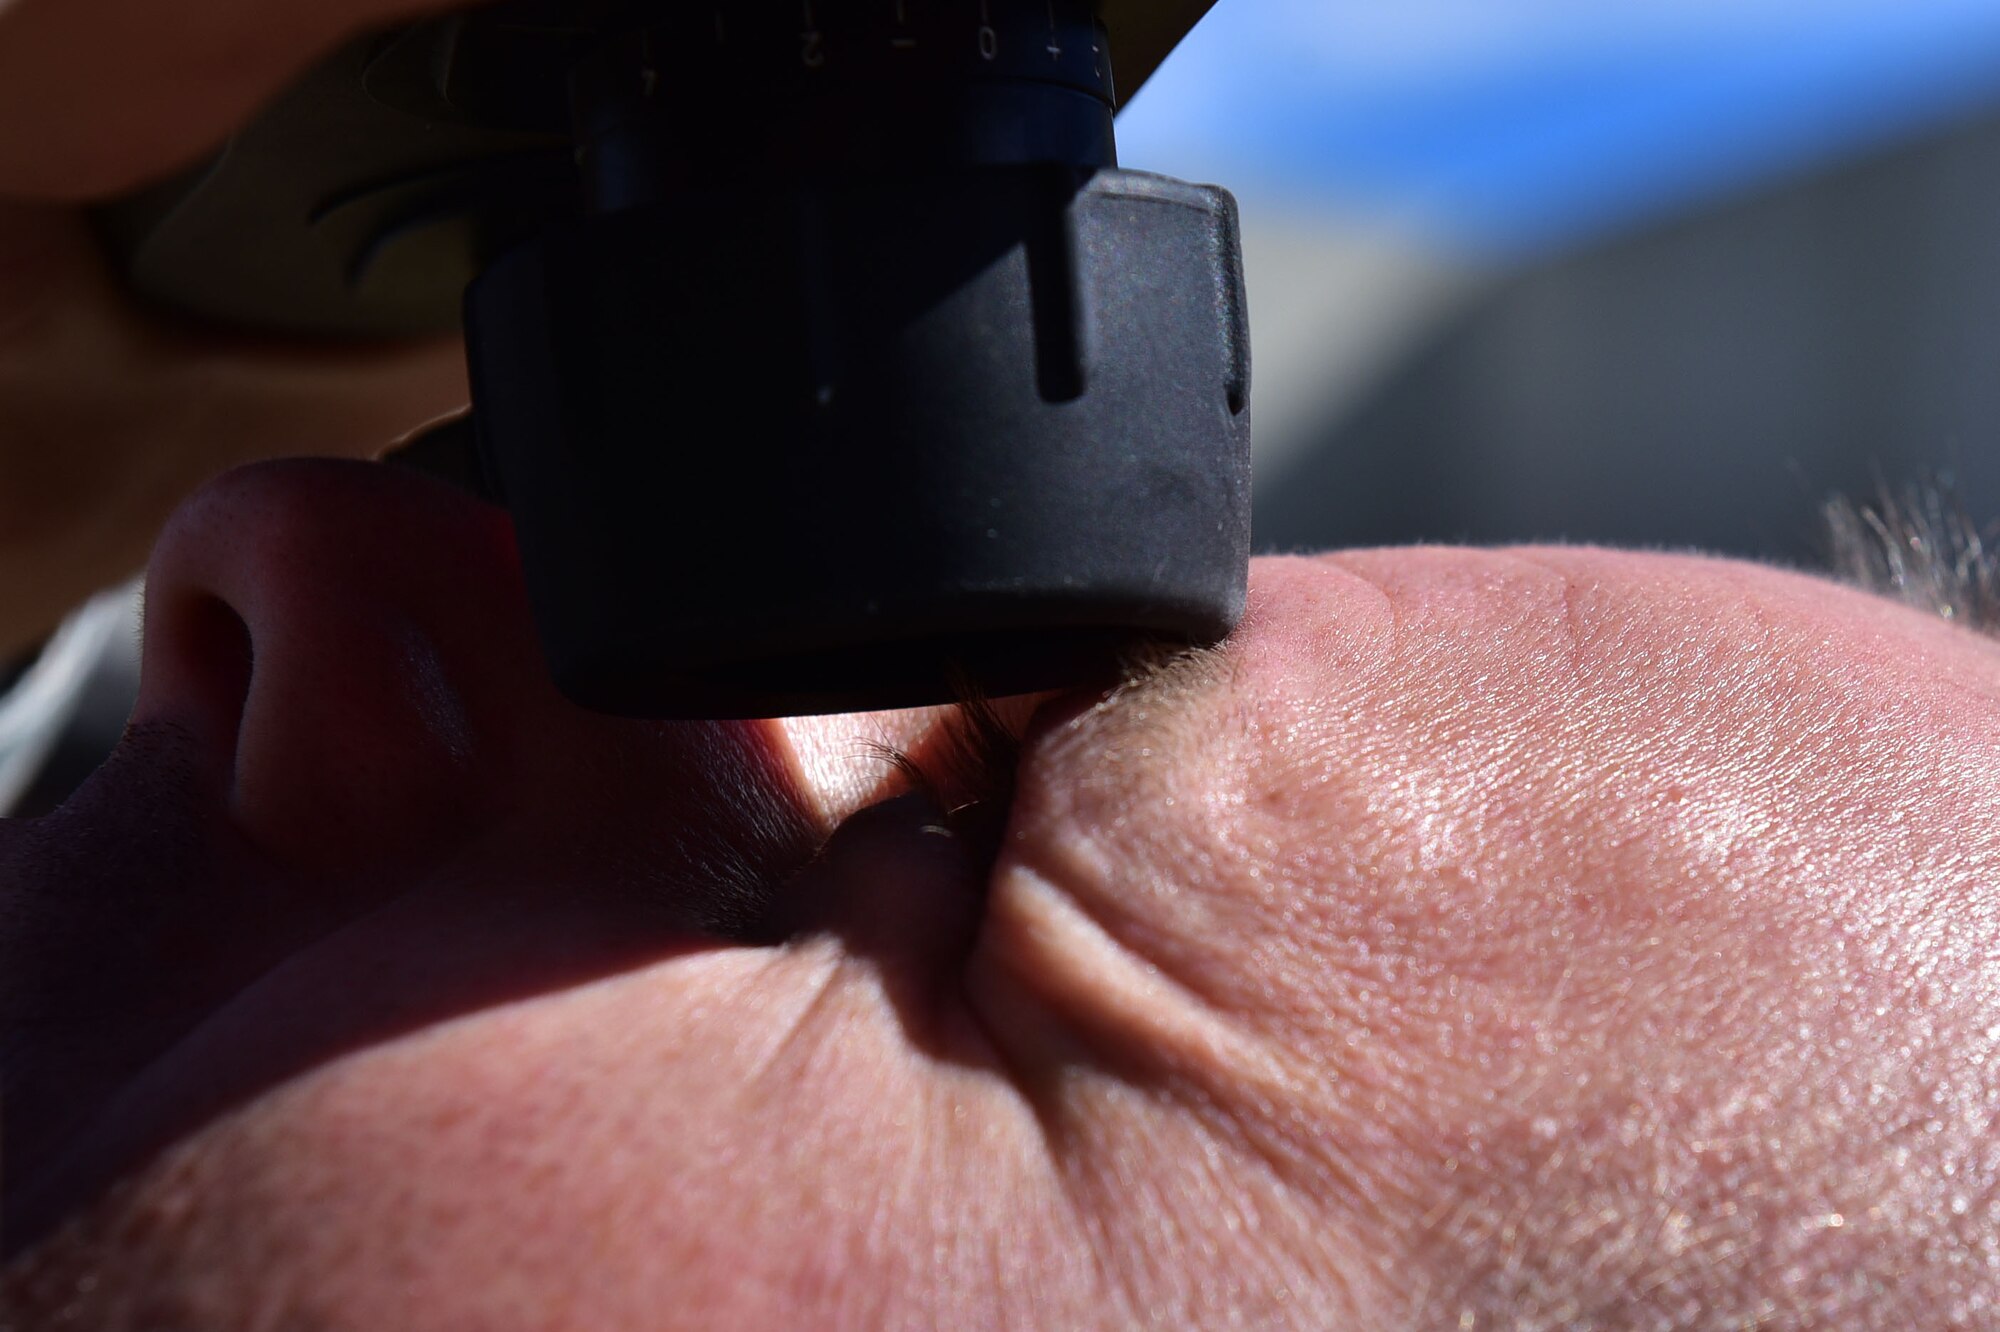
x=1661, y=271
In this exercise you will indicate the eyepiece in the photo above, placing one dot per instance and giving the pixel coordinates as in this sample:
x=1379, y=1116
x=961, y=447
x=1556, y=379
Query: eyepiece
x=877, y=381
x=821, y=351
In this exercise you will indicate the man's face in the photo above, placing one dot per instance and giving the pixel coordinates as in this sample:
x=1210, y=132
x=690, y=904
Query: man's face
x=1540, y=939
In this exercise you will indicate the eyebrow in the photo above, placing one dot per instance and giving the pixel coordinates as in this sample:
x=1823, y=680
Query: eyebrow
x=968, y=765
x=1918, y=545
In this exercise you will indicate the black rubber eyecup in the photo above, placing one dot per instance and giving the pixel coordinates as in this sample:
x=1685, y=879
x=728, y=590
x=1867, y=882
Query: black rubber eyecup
x=826, y=448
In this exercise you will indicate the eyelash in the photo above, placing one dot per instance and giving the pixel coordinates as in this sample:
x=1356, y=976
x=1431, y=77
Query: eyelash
x=967, y=768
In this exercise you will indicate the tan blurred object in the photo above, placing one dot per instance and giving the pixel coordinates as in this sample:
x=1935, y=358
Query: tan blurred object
x=107, y=421
x=109, y=418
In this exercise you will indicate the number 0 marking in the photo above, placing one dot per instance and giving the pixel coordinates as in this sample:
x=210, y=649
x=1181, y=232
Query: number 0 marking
x=989, y=38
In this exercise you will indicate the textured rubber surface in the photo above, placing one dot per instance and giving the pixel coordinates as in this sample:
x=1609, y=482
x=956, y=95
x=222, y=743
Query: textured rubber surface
x=988, y=428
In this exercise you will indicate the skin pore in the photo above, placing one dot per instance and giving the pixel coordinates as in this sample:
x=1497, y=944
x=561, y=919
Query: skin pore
x=1543, y=939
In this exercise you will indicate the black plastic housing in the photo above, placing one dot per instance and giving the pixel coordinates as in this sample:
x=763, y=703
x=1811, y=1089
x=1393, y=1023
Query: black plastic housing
x=820, y=350
x=899, y=437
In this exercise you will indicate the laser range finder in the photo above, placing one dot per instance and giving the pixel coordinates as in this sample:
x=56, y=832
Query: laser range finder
x=822, y=353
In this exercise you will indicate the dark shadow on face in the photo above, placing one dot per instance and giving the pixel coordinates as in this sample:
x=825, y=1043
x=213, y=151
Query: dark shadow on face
x=173, y=941
x=288, y=860
x=135, y=929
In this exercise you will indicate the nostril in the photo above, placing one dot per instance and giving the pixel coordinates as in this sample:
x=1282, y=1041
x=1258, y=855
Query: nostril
x=216, y=649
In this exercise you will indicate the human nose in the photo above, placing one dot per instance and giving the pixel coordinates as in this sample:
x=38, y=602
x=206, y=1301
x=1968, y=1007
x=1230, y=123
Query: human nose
x=339, y=638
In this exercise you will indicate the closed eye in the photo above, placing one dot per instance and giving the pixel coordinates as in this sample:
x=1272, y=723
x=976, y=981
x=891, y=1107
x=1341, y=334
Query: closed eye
x=967, y=766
